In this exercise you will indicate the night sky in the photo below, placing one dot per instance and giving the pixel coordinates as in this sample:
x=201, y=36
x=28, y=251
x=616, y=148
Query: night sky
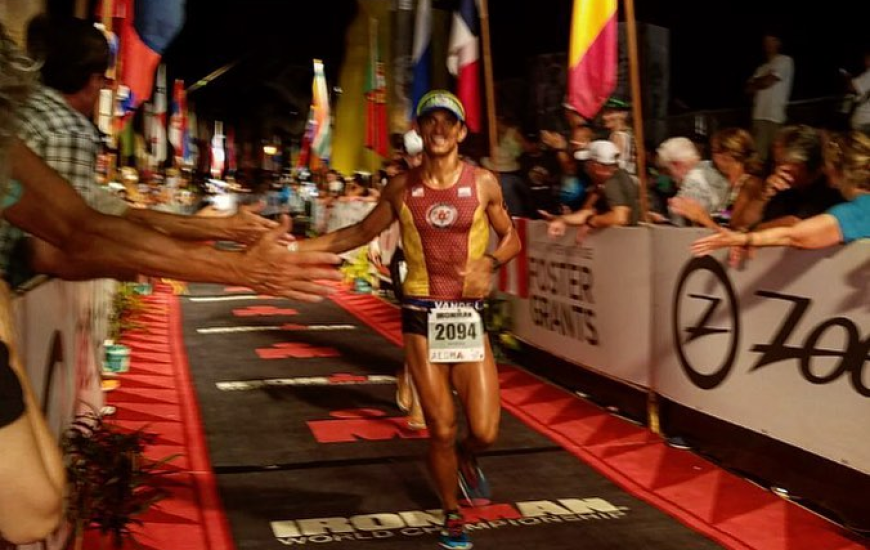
x=715, y=46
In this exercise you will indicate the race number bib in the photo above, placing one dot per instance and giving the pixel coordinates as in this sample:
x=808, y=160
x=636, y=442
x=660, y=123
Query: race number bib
x=455, y=335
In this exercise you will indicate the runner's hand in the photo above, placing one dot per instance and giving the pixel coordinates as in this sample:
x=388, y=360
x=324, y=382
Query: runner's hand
x=247, y=225
x=478, y=277
x=269, y=268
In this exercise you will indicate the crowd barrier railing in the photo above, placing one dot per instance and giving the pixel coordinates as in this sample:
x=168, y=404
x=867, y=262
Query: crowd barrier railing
x=60, y=328
x=779, y=346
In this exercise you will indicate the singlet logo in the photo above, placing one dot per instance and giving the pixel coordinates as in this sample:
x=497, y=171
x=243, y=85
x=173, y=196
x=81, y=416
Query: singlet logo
x=464, y=192
x=441, y=215
x=417, y=191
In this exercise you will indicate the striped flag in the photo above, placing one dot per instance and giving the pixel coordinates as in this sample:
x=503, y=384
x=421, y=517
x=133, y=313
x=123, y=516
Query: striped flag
x=592, y=56
x=321, y=143
x=463, y=60
x=218, y=156
x=178, y=134
x=377, y=134
x=422, y=54
x=158, y=120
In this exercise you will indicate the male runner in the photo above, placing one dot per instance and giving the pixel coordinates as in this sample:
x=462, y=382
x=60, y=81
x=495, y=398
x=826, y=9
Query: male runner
x=445, y=208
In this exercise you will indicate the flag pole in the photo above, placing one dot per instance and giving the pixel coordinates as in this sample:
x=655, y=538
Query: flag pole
x=637, y=107
x=489, y=85
x=652, y=404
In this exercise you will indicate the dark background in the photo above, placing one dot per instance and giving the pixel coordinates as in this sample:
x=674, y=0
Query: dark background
x=715, y=46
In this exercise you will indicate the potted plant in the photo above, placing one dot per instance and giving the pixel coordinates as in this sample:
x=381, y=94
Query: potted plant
x=126, y=304
x=111, y=482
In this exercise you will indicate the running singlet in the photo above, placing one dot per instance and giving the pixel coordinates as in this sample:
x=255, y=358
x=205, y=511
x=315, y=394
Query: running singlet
x=442, y=229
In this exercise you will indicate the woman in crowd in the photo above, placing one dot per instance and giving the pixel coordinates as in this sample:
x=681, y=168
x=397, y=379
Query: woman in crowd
x=32, y=478
x=734, y=156
x=847, y=166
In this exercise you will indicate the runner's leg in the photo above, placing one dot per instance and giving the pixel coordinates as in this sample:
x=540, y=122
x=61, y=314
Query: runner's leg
x=477, y=386
x=436, y=396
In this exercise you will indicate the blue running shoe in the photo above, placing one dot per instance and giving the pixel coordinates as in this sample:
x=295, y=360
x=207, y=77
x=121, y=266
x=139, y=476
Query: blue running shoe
x=473, y=484
x=453, y=535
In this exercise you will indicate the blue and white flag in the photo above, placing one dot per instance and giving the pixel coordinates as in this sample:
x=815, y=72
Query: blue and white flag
x=422, y=53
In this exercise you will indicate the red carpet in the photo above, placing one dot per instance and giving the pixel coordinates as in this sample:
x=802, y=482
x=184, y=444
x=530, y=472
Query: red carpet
x=157, y=394
x=724, y=507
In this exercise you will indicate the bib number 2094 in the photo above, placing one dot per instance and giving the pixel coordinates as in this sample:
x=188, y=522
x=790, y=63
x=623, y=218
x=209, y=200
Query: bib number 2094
x=455, y=335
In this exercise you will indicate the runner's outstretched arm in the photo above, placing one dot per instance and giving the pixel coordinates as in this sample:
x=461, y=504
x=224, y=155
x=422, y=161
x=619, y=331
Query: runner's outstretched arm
x=378, y=220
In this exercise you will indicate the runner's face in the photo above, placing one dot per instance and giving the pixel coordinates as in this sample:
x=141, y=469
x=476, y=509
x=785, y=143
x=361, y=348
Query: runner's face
x=441, y=132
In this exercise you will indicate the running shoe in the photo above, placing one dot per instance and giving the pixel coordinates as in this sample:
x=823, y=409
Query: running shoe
x=453, y=535
x=473, y=484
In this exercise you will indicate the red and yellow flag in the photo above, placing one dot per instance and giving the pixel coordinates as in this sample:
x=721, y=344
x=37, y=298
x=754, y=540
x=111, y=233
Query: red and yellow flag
x=377, y=133
x=592, y=55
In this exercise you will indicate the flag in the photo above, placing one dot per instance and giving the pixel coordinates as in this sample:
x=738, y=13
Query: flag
x=592, y=55
x=321, y=143
x=158, y=119
x=146, y=29
x=421, y=54
x=191, y=148
x=178, y=135
x=218, y=157
x=231, y=151
x=307, y=137
x=463, y=60
x=377, y=134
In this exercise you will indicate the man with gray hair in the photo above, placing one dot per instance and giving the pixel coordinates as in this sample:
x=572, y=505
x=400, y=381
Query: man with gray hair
x=696, y=179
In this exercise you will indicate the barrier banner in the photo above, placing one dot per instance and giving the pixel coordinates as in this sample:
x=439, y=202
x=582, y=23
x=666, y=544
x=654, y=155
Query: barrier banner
x=780, y=346
x=590, y=303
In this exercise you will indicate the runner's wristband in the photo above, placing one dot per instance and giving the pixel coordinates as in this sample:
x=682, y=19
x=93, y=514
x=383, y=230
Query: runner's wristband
x=11, y=394
x=495, y=263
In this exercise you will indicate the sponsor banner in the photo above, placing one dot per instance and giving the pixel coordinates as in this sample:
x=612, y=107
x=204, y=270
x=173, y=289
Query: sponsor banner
x=416, y=523
x=590, y=303
x=780, y=346
x=61, y=327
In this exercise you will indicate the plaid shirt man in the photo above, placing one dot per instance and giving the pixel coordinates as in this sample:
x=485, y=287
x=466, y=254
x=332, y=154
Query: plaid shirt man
x=68, y=142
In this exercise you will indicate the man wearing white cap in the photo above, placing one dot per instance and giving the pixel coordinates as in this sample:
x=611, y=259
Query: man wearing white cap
x=612, y=203
x=446, y=208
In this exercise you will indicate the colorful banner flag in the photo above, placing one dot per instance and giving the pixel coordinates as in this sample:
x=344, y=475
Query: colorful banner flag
x=377, y=133
x=232, y=166
x=178, y=134
x=592, y=55
x=158, y=120
x=218, y=157
x=147, y=28
x=402, y=40
x=321, y=144
x=421, y=54
x=305, y=152
x=463, y=60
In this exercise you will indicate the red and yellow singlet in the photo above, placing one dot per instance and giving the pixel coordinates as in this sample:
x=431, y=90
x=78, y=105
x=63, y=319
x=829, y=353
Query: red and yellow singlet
x=442, y=229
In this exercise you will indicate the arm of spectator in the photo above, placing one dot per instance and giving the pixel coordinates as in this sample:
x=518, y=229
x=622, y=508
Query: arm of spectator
x=245, y=226
x=785, y=221
x=749, y=206
x=52, y=210
x=692, y=210
x=762, y=82
x=817, y=232
x=617, y=216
